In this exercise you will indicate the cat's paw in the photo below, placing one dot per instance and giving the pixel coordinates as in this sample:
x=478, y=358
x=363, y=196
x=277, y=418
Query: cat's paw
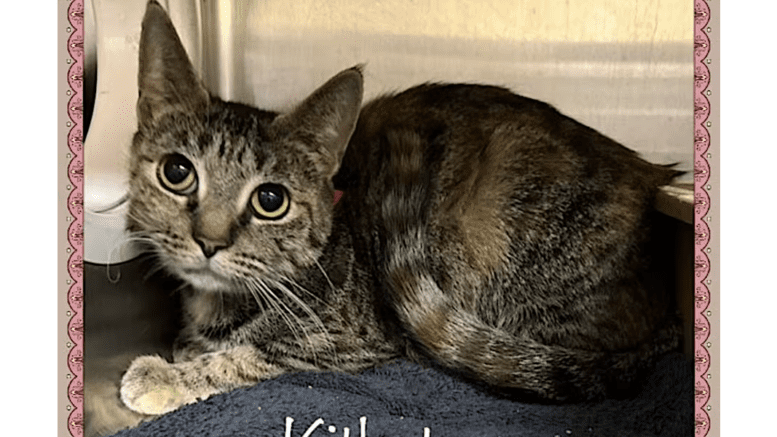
x=151, y=385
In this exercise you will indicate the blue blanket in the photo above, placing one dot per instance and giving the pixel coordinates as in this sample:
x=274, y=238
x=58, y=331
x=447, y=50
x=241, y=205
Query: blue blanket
x=404, y=399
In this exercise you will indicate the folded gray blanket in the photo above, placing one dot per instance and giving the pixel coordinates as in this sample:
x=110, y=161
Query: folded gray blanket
x=404, y=399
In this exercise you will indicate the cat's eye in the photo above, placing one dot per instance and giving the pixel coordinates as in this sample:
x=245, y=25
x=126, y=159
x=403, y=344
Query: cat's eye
x=270, y=201
x=176, y=173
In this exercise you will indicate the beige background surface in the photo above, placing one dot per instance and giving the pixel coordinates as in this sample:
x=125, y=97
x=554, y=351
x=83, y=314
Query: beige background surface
x=502, y=20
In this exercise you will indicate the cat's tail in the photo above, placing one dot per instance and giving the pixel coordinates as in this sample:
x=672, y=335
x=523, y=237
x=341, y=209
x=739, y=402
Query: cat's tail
x=461, y=341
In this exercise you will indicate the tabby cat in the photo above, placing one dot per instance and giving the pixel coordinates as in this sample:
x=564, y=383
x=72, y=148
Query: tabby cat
x=479, y=230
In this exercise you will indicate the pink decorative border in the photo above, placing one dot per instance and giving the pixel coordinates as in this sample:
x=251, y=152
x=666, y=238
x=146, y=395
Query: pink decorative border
x=701, y=218
x=75, y=233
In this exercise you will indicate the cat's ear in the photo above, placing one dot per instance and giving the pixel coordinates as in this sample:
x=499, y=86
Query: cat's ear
x=166, y=78
x=329, y=115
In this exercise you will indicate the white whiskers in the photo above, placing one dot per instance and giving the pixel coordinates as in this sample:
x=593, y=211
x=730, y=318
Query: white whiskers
x=323, y=272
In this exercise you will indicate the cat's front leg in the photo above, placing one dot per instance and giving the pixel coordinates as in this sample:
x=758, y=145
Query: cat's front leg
x=154, y=386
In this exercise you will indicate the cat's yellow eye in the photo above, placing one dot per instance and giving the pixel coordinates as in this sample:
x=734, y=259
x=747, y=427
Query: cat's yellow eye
x=270, y=201
x=176, y=173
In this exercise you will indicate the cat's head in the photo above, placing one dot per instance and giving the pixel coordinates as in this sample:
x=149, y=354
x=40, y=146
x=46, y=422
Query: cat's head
x=224, y=192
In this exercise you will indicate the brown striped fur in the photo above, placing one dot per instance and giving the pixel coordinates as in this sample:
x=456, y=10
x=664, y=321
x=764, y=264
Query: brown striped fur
x=481, y=230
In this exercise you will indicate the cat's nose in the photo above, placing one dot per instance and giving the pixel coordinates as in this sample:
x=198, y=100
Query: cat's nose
x=210, y=247
x=212, y=225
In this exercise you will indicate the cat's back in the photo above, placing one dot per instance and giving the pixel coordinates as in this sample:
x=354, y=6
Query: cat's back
x=472, y=158
x=487, y=204
x=462, y=123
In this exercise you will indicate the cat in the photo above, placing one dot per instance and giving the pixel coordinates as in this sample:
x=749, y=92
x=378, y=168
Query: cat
x=478, y=230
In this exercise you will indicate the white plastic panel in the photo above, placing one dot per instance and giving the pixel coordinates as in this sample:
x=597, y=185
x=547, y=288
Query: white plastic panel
x=113, y=33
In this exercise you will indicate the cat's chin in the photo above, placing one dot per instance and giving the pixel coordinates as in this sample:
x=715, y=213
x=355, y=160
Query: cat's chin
x=204, y=280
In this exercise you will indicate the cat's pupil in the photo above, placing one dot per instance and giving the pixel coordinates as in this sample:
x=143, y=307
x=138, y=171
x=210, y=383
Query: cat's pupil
x=177, y=169
x=271, y=198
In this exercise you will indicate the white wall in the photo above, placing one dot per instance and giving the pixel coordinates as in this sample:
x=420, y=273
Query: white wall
x=622, y=67
x=503, y=20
